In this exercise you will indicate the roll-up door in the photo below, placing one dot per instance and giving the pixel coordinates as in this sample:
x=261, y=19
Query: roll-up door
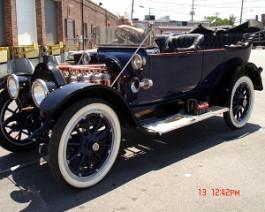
x=51, y=21
x=2, y=25
x=70, y=31
x=26, y=22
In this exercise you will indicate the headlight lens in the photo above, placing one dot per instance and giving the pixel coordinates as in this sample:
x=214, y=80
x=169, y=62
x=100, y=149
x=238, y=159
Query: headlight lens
x=137, y=62
x=86, y=58
x=39, y=91
x=13, y=86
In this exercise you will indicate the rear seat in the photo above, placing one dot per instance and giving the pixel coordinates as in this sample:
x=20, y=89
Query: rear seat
x=186, y=42
x=161, y=42
x=214, y=41
x=182, y=42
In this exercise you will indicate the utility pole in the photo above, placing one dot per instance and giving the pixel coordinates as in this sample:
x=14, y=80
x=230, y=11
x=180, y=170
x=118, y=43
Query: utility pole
x=132, y=9
x=149, y=12
x=242, y=5
x=216, y=14
x=82, y=23
x=192, y=12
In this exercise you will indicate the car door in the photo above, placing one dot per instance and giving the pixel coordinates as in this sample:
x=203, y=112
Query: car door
x=175, y=74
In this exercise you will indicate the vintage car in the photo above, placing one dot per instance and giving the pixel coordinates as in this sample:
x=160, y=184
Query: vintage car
x=155, y=84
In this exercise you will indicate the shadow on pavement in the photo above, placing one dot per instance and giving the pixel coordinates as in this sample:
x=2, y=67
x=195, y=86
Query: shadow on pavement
x=139, y=154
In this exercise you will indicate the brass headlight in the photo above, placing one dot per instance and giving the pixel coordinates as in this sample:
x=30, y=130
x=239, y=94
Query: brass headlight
x=39, y=91
x=138, y=62
x=13, y=86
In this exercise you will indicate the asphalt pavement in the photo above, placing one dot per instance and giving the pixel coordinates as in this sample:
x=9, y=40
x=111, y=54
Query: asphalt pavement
x=203, y=167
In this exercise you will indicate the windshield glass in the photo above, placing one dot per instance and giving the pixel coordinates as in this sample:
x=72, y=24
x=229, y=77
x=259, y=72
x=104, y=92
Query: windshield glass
x=122, y=36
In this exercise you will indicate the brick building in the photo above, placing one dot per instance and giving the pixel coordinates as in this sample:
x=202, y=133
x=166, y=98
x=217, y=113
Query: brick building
x=23, y=22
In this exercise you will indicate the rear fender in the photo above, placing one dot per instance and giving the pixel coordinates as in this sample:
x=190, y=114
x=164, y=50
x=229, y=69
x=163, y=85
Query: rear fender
x=62, y=98
x=250, y=69
x=221, y=93
x=255, y=75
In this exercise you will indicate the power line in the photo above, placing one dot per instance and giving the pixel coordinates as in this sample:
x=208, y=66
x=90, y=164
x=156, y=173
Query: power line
x=226, y=8
x=202, y=6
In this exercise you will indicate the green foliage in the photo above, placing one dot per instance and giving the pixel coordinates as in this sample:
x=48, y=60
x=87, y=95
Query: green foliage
x=216, y=21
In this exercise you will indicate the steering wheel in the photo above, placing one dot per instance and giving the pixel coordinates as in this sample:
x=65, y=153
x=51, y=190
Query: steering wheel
x=126, y=34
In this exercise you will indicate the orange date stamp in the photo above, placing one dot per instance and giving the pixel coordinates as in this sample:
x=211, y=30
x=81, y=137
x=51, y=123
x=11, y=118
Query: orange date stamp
x=219, y=192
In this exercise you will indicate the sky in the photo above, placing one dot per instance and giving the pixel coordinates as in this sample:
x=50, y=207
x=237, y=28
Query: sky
x=179, y=10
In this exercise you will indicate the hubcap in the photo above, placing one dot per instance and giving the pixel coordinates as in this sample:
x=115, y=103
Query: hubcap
x=245, y=102
x=95, y=147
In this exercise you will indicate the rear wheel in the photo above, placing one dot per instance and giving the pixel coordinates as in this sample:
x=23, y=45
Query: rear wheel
x=84, y=143
x=241, y=99
x=16, y=125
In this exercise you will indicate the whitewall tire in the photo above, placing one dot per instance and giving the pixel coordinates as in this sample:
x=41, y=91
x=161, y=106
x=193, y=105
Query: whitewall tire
x=241, y=100
x=84, y=143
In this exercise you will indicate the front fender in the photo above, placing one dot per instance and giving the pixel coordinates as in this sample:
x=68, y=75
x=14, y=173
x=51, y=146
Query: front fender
x=66, y=95
x=57, y=98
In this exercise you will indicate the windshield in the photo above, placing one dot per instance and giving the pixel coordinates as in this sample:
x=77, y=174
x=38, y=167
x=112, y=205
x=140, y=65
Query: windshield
x=123, y=36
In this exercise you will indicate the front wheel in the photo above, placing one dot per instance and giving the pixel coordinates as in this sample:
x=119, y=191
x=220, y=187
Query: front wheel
x=16, y=125
x=84, y=143
x=241, y=99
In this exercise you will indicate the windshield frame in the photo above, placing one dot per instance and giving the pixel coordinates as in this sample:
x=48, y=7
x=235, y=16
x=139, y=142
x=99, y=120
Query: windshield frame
x=149, y=42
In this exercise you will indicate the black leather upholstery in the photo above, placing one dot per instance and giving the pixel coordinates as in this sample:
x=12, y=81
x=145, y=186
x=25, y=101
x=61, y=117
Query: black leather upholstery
x=184, y=42
x=213, y=41
x=161, y=42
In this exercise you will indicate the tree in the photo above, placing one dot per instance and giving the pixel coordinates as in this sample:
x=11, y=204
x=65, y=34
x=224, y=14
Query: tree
x=216, y=21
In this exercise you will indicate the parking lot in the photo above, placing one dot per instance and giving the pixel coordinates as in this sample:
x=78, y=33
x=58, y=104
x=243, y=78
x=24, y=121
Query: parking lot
x=203, y=167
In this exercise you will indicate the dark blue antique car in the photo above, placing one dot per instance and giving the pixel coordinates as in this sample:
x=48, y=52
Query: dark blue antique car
x=155, y=84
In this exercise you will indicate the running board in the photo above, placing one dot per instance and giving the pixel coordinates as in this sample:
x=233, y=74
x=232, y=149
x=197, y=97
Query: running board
x=181, y=120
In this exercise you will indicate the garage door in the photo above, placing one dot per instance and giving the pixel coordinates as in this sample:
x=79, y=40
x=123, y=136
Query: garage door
x=51, y=21
x=2, y=25
x=26, y=22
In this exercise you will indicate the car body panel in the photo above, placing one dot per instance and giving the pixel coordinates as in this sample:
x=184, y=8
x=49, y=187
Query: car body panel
x=170, y=79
